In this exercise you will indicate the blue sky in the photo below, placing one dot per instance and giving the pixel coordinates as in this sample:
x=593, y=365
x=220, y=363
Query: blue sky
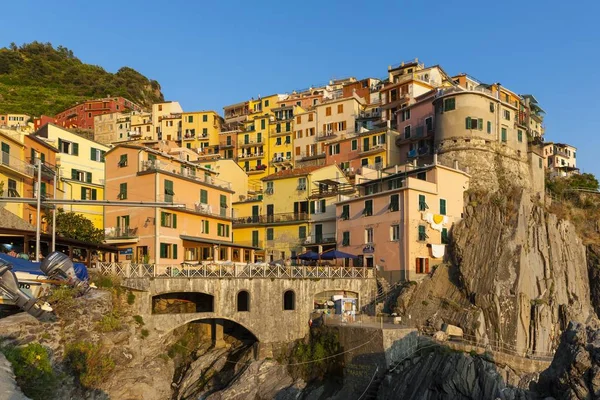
x=207, y=54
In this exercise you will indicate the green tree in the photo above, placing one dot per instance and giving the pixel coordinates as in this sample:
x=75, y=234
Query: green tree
x=75, y=226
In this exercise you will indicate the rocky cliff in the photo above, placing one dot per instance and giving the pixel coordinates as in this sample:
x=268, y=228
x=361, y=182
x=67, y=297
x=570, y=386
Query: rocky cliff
x=516, y=277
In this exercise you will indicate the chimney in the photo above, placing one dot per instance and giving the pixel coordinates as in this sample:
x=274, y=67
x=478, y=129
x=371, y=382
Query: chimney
x=435, y=159
x=455, y=164
x=396, y=169
x=389, y=124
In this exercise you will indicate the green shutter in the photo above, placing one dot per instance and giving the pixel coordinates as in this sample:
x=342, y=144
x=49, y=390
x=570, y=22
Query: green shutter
x=302, y=232
x=82, y=193
x=43, y=157
x=102, y=155
x=422, y=204
x=75, y=149
x=88, y=177
x=94, y=194
x=323, y=205
x=174, y=220
x=43, y=189
x=444, y=236
x=504, y=134
x=443, y=206
x=74, y=174
x=163, y=218
x=255, y=238
x=468, y=123
x=269, y=233
x=151, y=157
x=207, y=227
x=32, y=157
x=174, y=251
x=312, y=207
x=489, y=127
x=203, y=196
x=227, y=230
x=59, y=145
x=93, y=154
x=262, y=124
x=123, y=191
x=480, y=124
x=422, y=232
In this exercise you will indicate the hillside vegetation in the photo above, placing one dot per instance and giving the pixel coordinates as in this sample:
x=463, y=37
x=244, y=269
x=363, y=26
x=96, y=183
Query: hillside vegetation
x=37, y=78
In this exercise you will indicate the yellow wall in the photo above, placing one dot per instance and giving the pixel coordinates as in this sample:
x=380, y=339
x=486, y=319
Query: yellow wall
x=13, y=167
x=205, y=125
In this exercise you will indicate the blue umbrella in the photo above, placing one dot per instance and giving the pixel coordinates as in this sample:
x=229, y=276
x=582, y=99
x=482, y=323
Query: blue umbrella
x=335, y=255
x=309, y=256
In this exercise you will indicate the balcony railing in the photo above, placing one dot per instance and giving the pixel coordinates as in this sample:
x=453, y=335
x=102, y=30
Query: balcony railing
x=121, y=233
x=271, y=219
x=155, y=165
x=371, y=149
x=16, y=164
x=280, y=160
x=325, y=136
x=250, y=143
x=320, y=239
x=333, y=190
x=249, y=156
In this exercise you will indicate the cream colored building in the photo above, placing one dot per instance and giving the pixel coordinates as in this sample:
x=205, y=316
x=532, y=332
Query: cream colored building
x=560, y=158
x=159, y=112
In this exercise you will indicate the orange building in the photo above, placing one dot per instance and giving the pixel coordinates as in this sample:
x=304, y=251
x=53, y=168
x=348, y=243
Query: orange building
x=200, y=231
x=37, y=148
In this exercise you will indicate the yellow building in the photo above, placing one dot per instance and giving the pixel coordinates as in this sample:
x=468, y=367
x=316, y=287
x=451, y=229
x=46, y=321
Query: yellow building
x=281, y=135
x=291, y=215
x=13, y=169
x=81, y=170
x=200, y=130
x=169, y=127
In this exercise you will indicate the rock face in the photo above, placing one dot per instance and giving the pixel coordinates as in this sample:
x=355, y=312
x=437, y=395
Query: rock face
x=448, y=375
x=575, y=370
x=8, y=386
x=518, y=284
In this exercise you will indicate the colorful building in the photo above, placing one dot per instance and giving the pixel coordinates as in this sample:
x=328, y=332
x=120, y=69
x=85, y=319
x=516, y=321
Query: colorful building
x=228, y=140
x=402, y=220
x=14, y=120
x=82, y=115
x=307, y=151
x=37, y=148
x=199, y=231
x=560, y=158
x=200, y=130
x=161, y=111
x=281, y=135
x=416, y=130
x=14, y=170
x=81, y=170
x=112, y=128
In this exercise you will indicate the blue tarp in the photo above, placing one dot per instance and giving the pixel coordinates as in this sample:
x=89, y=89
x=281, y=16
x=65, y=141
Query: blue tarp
x=22, y=265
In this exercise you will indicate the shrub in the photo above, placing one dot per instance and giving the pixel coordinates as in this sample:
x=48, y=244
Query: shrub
x=63, y=296
x=130, y=298
x=89, y=363
x=145, y=333
x=109, y=323
x=138, y=319
x=33, y=370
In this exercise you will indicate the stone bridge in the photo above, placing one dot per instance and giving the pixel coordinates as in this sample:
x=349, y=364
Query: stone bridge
x=273, y=303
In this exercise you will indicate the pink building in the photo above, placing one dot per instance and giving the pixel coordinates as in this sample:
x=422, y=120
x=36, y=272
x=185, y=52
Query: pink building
x=416, y=127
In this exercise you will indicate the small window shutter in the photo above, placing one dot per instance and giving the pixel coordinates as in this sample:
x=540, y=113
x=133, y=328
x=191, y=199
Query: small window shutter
x=43, y=157
x=59, y=145
x=32, y=156
x=203, y=196
x=93, y=154
x=312, y=207
x=468, y=123
x=480, y=124
x=323, y=205
x=417, y=265
x=118, y=222
x=163, y=218
x=174, y=251
x=227, y=230
x=174, y=220
x=94, y=194
x=88, y=177
x=83, y=193
x=74, y=174
x=102, y=154
x=75, y=149
x=443, y=206
x=427, y=265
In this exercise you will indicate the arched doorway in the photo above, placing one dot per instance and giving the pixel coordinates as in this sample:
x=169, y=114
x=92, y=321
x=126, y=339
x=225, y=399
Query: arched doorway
x=243, y=301
x=289, y=300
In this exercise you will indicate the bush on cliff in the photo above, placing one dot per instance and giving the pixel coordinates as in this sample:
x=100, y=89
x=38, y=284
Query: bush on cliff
x=316, y=358
x=33, y=370
x=89, y=363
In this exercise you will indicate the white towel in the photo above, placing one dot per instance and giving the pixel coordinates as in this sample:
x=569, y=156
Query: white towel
x=438, y=250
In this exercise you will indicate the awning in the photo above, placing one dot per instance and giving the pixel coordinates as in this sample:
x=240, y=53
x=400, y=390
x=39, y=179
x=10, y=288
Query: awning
x=217, y=242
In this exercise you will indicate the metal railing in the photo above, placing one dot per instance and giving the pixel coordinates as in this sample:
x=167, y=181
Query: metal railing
x=155, y=165
x=271, y=219
x=231, y=270
x=16, y=164
x=120, y=232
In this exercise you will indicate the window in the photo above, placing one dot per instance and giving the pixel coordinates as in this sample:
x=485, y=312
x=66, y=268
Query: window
x=368, y=211
x=168, y=220
x=345, y=212
x=203, y=196
x=443, y=206
x=67, y=147
x=223, y=204
x=223, y=230
x=327, y=111
x=205, y=225
x=489, y=127
x=369, y=235
x=204, y=132
x=123, y=160
x=422, y=235
x=422, y=176
x=506, y=114
x=270, y=187
x=205, y=118
x=395, y=232
x=243, y=301
x=122, y=191
x=504, y=138
x=301, y=184
x=169, y=191
x=541, y=164
x=520, y=135
x=341, y=126
x=12, y=188
x=288, y=139
x=449, y=104
x=334, y=149
x=340, y=108
x=168, y=250
x=346, y=238
x=97, y=155
x=270, y=234
x=491, y=107
x=422, y=204
x=319, y=206
x=474, y=123
x=278, y=141
x=190, y=118
x=86, y=193
x=394, y=184
x=289, y=300
x=262, y=123
x=404, y=115
x=302, y=232
x=266, y=103
x=444, y=236
x=422, y=265
x=354, y=145
x=407, y=132
x=394, y=203
x=310, y=117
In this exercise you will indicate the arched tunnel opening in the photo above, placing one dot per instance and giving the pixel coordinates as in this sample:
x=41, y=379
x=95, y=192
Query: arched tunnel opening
x=182, y=303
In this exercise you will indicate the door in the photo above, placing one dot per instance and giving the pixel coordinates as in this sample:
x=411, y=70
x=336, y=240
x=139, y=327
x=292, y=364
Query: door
x=270, y=213
x=255, y=214
x=319, y=233
x=141, y=252
x=369, y=262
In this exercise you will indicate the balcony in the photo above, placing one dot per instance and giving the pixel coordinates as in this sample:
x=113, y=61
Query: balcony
x=308, y=157
x=15, y=164
x=120, y=233
x=325, y=136
x=421, y=151
x=319, y=239
x=368, y=115
x=281, y=160
x=250, y=156
x=332, y=189
x=190, y=173
x=250, y=143
x=225, y=145
x=419, y=132
x=271, y=219
x=372, y=149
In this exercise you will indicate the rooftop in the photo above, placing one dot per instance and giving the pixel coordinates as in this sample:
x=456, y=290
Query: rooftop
x=289, y=173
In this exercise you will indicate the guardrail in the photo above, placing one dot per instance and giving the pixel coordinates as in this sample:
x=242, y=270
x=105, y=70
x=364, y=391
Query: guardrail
x=231, y=270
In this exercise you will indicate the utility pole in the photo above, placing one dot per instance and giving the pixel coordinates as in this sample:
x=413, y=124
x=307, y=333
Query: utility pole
x=54, y=213
x=38, y=163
